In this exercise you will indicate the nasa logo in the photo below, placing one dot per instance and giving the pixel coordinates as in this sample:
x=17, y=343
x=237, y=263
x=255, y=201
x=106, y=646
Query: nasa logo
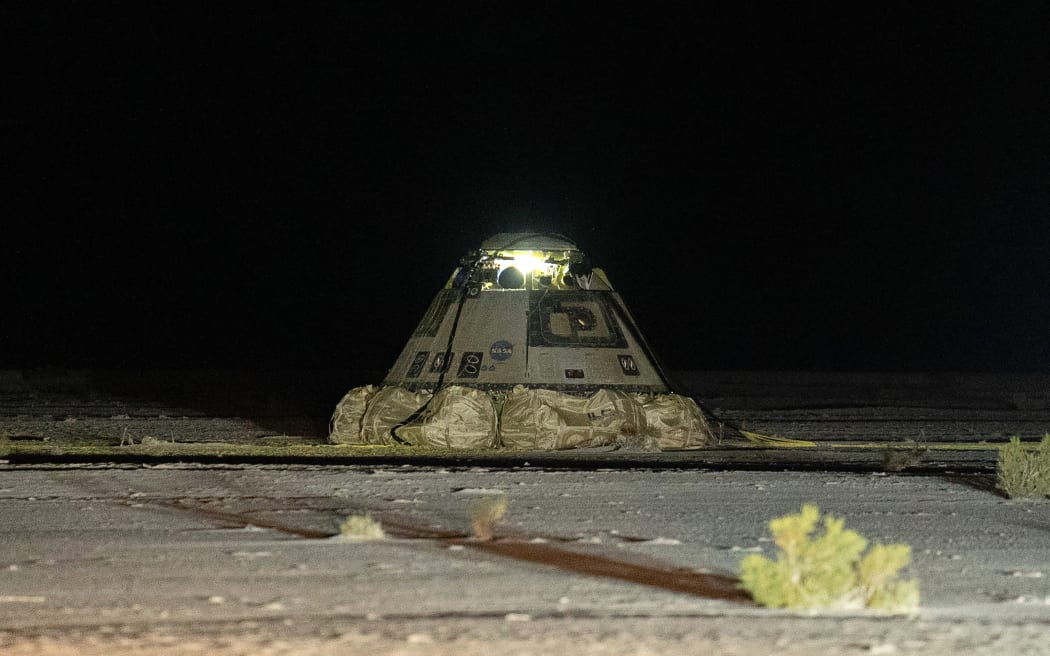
x=501, y=350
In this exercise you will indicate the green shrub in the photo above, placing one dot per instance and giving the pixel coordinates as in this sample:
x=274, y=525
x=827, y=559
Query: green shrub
x=827, y=570
x=1022, y=472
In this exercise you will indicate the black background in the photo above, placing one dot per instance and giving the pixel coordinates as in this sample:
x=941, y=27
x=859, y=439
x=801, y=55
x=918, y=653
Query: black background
x=821, y=188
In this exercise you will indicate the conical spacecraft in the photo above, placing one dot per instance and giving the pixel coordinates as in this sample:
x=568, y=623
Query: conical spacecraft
x=526, y=346
x=529, y=309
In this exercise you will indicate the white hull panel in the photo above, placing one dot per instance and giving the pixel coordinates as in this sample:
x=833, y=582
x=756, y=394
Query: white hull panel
x=575, y=340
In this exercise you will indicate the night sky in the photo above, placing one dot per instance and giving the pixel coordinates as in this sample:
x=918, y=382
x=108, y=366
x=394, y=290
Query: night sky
x=287, y=186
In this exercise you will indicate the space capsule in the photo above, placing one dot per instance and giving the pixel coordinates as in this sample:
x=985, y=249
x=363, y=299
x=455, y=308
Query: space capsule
x=526, y=346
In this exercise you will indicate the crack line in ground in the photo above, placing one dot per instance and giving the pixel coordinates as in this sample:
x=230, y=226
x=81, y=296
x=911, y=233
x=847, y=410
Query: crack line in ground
x=525, y=549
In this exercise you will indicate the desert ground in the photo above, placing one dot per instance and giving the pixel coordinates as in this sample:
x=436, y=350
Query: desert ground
x=132, y=524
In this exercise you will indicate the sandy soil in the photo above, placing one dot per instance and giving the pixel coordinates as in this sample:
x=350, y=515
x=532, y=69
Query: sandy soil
x=604, y=637
x=181, y=558
x=243, y=560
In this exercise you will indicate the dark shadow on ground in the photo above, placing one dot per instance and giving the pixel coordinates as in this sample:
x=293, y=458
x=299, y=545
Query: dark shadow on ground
x=284, y=402
x=983, y=482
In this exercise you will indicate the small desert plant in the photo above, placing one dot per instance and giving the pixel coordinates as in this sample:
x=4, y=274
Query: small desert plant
x=899, y=458
x=827, y=570
x=484, y=513
x=361, y=528
x=1022, y=472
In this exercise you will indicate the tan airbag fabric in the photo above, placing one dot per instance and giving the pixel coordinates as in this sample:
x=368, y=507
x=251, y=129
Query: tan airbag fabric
x=545, y=419
x=345, y=424
x=677, y=422
x=462, y=417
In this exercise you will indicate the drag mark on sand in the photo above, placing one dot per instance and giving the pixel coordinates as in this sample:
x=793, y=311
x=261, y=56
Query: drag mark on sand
x=543, y=550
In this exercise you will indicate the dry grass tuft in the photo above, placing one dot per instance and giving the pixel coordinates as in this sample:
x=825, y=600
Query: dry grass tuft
x=484, y=513
x=896, y=459
x=361, y=528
